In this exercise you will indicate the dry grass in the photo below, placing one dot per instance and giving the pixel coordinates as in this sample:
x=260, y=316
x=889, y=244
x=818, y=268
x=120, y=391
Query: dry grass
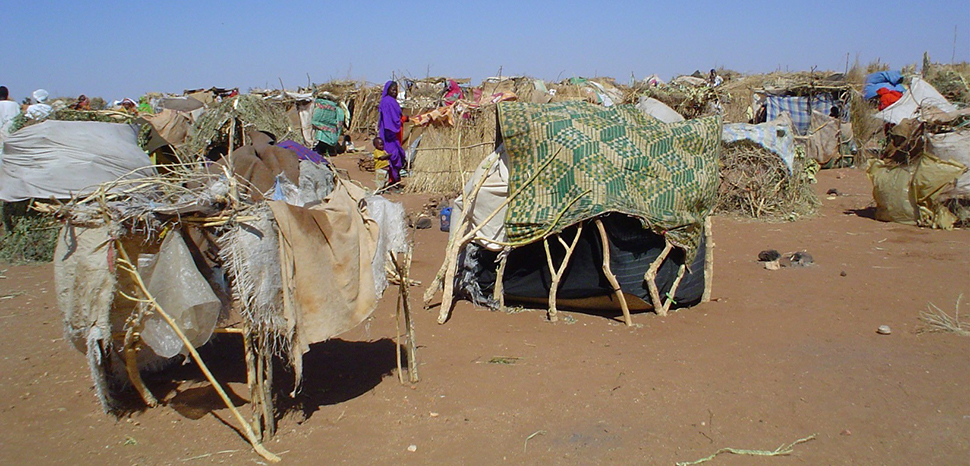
x=936, y=320
x=251, y=112
x=755, y=183
x=438, y=166
x=952, y=80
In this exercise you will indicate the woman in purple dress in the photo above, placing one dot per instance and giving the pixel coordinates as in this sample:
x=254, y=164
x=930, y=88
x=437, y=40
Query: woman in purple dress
x=389, y=125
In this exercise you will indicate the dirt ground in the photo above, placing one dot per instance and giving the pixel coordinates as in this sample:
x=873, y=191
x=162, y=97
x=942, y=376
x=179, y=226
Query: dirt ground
x=777, y=356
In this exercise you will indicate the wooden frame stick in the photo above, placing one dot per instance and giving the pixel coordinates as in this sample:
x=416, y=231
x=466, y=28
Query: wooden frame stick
x=557, y=274
x=651, y=278
x=610, y=276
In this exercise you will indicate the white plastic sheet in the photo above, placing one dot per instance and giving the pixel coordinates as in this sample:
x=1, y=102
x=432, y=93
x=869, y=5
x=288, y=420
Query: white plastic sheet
x=920, y=94
x=62, y=158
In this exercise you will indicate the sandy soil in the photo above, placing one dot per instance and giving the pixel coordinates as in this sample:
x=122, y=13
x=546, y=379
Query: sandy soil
x=778, y=356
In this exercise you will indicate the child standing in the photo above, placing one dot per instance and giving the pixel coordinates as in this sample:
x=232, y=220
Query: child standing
x=381, y=164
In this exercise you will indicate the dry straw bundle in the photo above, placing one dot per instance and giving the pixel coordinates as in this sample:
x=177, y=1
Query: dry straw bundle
x=755, y=183
x=251, y=112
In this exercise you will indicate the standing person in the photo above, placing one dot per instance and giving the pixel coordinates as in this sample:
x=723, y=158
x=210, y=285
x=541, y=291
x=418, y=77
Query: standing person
x=381, y=162
x=8, y=111
x=327, y=121
x=389, y=126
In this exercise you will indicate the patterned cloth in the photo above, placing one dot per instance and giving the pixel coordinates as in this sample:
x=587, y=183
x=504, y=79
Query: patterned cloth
x=326, y=121
x=801, y=114
x=666, y=175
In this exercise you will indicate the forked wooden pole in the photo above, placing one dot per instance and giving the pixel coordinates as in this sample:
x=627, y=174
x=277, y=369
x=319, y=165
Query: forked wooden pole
x=651, y=278
x=131, y=366
x=247, y=429
x=557, y=274
x=404, y=271
x=130, y=354
x=608, y=271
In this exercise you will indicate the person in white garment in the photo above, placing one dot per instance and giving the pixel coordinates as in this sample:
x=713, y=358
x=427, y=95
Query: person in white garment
x=39, y=110
x=8, y=111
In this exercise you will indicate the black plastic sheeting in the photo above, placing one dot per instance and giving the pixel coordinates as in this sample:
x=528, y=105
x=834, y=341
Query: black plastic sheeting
x=632, y=250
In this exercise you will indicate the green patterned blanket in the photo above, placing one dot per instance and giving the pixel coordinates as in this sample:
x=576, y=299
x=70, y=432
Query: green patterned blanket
x=611, y=159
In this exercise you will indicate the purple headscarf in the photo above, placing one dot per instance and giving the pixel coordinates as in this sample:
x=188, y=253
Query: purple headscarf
x=390, y=119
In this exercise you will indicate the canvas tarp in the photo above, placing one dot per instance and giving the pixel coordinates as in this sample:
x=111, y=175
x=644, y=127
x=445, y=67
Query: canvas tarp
x=824, y=138
x=59, y=159
x=327, y=252
x=775, y=135
x=490, y=197
x=593, y=160
x=920, y=94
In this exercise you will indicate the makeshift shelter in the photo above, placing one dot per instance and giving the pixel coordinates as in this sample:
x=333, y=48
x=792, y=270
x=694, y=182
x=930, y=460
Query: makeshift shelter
x=615, y=201
x=153, y=270
x=62, y=159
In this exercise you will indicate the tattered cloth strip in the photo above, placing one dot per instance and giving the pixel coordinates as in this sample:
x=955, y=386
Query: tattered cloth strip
x=326, y=253
x=664, y=174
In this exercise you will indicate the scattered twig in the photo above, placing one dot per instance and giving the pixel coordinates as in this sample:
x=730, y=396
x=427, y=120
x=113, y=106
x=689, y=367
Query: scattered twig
x=780, y=451
x=534, y=434
x=208, y=455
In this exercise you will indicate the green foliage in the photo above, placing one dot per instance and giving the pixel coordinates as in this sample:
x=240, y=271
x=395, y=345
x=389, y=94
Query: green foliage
x=31, y=238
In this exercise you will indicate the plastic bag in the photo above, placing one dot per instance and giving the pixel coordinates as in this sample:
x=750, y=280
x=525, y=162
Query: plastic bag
x=184, y=294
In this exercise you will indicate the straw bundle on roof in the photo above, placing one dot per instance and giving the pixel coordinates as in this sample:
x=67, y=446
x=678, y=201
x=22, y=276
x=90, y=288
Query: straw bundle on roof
x=251, y=111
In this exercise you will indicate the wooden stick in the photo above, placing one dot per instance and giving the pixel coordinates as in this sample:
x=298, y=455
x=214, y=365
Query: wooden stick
x=131, y=366
x=608, y=271
x=651, y=278
x=558, y=274
x=673, y=289
x=257, y=446
x=132, y=337
x=708, y=259
x=266, y=390
x=397, y=339
x=498, y=292
x=251, y=379
x=405, y=292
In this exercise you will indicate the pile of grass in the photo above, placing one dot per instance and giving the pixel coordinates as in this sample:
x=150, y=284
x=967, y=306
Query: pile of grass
x=251, y=112
x=952, y=80
x=755, y=183
x=689, y=101
x=28, y=236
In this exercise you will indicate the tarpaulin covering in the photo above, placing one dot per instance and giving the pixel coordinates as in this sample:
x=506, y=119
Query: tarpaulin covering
x=775, y=135
x=62, y=158
x=594, y=160
x=799, y=109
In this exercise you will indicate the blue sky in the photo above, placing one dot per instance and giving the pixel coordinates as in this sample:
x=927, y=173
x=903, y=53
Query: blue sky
x=123, y=49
